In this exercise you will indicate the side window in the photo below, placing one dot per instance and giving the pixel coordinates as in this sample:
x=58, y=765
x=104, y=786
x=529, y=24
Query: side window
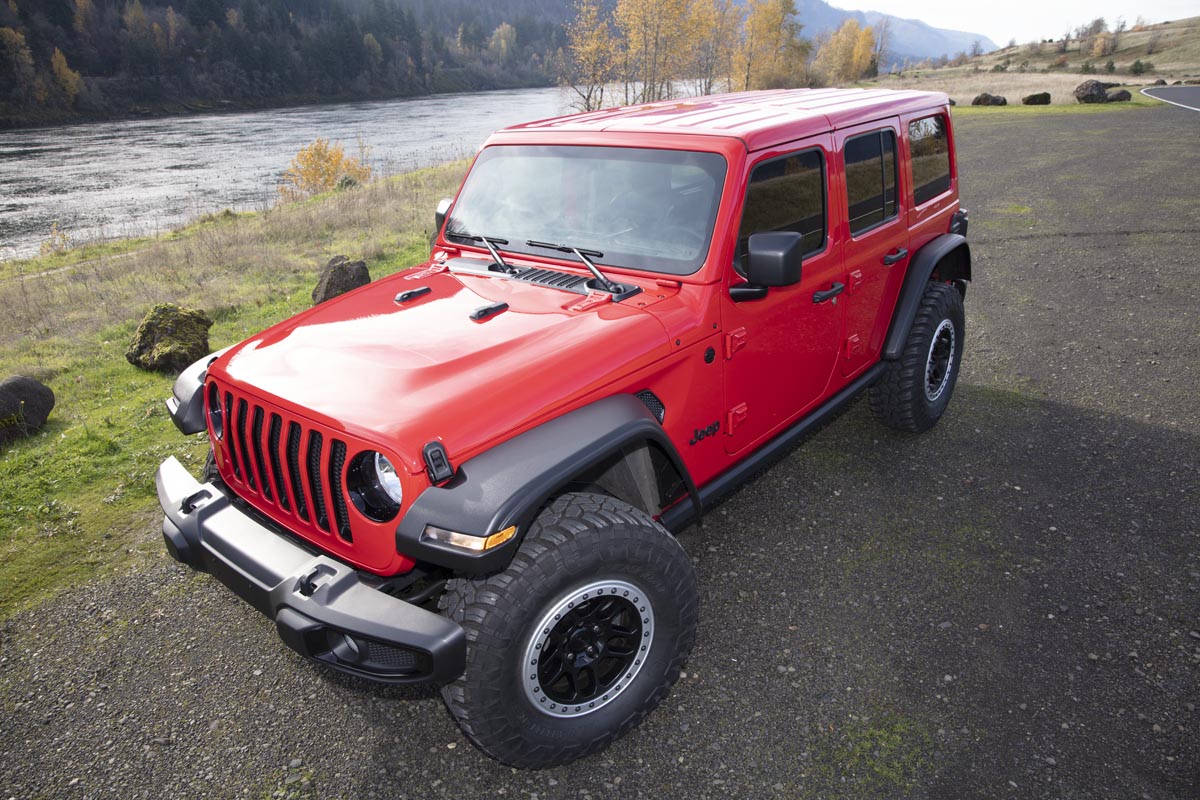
x=785, y=194
x=871, y=179
x=930, y=146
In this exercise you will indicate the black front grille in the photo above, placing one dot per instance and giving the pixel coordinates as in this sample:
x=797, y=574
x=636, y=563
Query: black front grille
x=337, y=460
x=293, y=457
x=256, y=430
x=276, y=464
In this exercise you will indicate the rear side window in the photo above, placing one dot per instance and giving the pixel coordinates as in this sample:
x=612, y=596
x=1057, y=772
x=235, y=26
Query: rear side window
x=871, y=179
x=786, y=194
x=930, y=148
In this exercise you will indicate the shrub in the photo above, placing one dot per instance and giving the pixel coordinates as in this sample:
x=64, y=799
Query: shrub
x=321, y=167
x=1139, y=67
x=1110, y=67
x=1087, y=69
x=57, y=242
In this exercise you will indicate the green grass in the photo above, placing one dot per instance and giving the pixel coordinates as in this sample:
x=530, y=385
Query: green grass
x=78, y=497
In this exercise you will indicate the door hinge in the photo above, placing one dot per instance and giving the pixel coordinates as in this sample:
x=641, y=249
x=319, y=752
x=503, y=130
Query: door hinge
x=854, y=281
x=734, y=340
x=735, y=417
x=853, y=346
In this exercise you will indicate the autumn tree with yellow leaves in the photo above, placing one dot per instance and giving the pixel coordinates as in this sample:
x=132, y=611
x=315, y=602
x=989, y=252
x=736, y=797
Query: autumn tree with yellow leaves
x=848, y=55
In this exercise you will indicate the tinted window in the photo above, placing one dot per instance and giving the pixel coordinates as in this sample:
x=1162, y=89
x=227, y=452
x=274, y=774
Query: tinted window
x=787, y=194
x=930, y=148
x=871, y=179
x=642, y=208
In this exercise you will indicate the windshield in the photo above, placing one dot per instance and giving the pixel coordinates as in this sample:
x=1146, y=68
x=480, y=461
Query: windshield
x=643, y=209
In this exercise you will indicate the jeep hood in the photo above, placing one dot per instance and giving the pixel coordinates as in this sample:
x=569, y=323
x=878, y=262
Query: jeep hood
x=404, y=374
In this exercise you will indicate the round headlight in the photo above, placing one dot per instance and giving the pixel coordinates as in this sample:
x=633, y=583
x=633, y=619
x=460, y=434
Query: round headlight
x=216, y=418
x=389, y=481
x=373, y=486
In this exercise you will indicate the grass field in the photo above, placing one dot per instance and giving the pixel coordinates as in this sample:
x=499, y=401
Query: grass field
x=78, y=498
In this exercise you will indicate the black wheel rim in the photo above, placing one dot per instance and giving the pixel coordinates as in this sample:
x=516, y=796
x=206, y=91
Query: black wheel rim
x=588, y=648
x=940, y=361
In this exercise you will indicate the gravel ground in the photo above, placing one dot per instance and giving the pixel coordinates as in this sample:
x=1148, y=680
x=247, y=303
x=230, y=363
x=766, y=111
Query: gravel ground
x=1004, y=607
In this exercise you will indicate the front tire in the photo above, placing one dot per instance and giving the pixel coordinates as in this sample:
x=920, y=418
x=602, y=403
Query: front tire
x=913, y=393
x=578, y=639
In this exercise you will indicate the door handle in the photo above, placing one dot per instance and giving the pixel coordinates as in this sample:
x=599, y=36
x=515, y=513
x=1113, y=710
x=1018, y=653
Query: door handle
x=832, y=291
x=892, y=258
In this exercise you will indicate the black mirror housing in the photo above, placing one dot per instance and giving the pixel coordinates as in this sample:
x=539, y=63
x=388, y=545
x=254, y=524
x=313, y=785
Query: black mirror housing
x=439, y=217
x=775, y=258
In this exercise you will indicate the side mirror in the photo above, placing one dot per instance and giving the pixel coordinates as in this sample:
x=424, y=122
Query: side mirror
x=774, y=259
x=439, y=217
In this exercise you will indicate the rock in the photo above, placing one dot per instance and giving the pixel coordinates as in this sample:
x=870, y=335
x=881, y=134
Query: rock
x=986, y=99
x=1119, y=96
x=339, y=276
x=169, y=339
x=952, y=102
x=25, y=405
x=1159, y=82
x=1091, y=91
x=1038, y=99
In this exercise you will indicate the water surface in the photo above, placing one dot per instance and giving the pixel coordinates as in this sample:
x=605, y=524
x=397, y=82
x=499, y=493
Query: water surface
x=130, y=178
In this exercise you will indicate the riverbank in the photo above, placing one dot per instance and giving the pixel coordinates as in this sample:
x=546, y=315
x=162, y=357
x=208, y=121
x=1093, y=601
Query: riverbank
x=446, y=82
x=78, y=498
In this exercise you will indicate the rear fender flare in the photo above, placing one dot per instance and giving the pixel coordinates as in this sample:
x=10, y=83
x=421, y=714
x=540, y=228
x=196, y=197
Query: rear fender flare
x=949, y=256
x=510, y=483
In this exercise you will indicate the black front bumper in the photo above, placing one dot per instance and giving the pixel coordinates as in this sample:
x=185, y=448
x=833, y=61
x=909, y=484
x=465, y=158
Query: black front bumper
x=322, y=608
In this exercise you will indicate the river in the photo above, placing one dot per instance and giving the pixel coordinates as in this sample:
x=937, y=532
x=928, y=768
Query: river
x=136, y=177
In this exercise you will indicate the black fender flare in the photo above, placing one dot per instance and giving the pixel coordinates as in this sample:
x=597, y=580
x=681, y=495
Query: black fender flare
x=511, y=482
x=186, y=403
x=920, y=269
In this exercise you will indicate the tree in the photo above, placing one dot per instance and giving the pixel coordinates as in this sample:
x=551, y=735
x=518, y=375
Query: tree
x=883, y=36
x=656, y=44
x=374, y=51
x=503, y=44
x=773, y=53
x=84, y=17
x=67, y=79
x=716, y=26
x=16, y=63
x=591, y=59
x=976, y=48
x=846, y=57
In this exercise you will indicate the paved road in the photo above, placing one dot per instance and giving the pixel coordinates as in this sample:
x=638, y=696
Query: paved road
x=1184, y=96
x=1005, y=607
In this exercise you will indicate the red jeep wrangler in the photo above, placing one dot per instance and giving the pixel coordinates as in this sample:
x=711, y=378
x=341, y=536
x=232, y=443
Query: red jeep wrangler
x=468, y=472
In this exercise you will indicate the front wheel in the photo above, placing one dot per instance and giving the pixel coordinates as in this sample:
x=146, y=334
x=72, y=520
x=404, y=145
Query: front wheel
x=913, y=393
x=578, y=639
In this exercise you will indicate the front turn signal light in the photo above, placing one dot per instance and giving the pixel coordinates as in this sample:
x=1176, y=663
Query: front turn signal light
x=465, y=541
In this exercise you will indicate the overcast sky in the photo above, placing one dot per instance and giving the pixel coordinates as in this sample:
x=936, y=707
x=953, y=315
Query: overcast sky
x=1024, y=20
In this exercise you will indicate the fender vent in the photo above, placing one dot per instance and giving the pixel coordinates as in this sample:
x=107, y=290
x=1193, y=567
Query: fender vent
x=650, y=399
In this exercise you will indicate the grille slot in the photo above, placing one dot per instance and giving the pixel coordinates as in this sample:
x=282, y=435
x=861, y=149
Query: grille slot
x=553, y=279
x=256, y=431
x=293, y=457
x=337, y=460
x=315, y=441
x=276, y=465
x=230, y=436
x=242, y=409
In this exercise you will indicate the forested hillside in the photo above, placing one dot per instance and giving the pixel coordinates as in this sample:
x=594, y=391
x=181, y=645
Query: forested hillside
x=61, y=59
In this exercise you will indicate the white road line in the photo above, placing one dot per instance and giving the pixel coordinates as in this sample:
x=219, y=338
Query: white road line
x=1164, y=100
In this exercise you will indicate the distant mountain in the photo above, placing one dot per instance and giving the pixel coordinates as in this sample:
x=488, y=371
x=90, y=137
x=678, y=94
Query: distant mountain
x=909, y=38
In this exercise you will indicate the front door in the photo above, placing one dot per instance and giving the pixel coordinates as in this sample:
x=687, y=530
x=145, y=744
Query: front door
x=781, y=350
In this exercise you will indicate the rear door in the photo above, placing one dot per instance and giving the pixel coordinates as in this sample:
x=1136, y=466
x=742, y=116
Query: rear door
x=875, y=237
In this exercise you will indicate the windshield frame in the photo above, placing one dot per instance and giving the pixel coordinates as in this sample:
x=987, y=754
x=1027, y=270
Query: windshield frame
x=709, y=187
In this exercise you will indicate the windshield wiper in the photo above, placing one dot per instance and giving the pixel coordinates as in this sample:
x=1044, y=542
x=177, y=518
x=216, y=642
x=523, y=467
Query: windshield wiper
x=609, y=286
x=488, y=243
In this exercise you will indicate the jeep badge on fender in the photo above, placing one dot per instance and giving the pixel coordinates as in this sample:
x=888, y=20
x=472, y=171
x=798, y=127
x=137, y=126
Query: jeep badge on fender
x=481, y=489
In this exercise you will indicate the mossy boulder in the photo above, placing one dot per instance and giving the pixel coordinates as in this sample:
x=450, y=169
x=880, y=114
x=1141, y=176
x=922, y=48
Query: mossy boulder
x=1036, y=99
x=170, y=338
x=1091, y=91
x=339, y=276
x=25, y=405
